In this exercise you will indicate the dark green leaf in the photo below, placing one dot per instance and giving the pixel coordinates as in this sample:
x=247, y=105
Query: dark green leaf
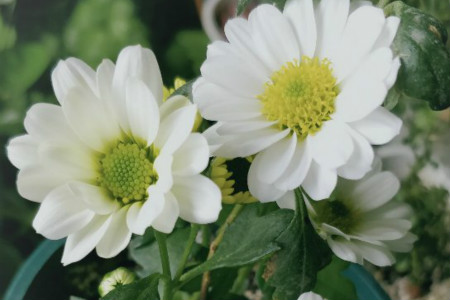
x=247, y=240
x=420, y=44
x=332, y=285
x=293, y=270
x=144, y=289
x=145, y=252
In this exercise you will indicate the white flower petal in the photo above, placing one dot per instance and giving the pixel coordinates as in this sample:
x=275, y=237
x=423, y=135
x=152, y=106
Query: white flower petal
x=172, y=104
x=36, y=181
x=165, y=222
x=70, y=73
x=22, y=151
x=47, y=122
x=361, y=32
x=381, y=230
x=61, y=214
x=80, y=243
x=320, y=182
x=404, y=245
x=192, y=157
x=392, y=77
x=379, y=127
x=389, y=32
x=301, y=15
x=116, y=237
x=377, y=255
x=287, y=201
x=140, y=63
x=105, y=74
x=310, y=296
x=375, y=191
x=297, y=169
x=238, y=33
x=175, y=129
x=342, y=249
x=273, y=36
x=93, y=197
x=198, y=197
x=332, y=146
x=360, y=161
x=142, y=111
x=140, y=216
x=88, y=118
x=232, y=128
x=331, y=17
x=233, y=110
x=163, y=167
x=262, y=191
x=274, y=161
x=235, y=74
x=359, y=97
x=248, y=144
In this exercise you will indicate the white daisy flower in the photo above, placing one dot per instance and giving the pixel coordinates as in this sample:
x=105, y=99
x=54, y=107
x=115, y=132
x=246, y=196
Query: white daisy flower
x=112, y=159
x=358, y=221
x=302, y=89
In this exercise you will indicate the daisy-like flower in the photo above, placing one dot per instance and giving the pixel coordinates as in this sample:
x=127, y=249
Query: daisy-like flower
x=359, y=221
x=311, y=296
x=302, y=89
x=112, y=159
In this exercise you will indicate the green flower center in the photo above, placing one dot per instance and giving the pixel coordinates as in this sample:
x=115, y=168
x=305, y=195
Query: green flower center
x=127, y=171
x=301, y=96
x=337, y=214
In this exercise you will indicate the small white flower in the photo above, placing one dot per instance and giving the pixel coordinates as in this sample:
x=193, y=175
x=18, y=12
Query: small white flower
x=358, y=221
x=114, y=279
x=311, y=296
x=112, y=159
x=302, y=89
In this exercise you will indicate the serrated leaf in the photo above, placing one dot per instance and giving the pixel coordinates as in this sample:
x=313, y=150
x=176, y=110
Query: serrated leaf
x=145, y=252
x=293, y=269
x=420, y=44
x=143, y=289
x=332, y=284
x=247, y=240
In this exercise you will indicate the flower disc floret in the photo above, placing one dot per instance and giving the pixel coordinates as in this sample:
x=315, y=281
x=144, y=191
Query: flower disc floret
x=127, y=171
x=338, y=214
x=301, y=95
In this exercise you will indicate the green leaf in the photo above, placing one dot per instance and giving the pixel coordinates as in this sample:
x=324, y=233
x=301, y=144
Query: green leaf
x=143, y=289
x=23, y=65
x=420, y=44
x=332, y=285
x=247, y=240
x=243, y=4
x=293, y=270
x=145, y=252
x=185, y=90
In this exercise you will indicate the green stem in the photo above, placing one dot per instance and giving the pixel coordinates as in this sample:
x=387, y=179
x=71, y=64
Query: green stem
x=187, y=250
x=164, y=254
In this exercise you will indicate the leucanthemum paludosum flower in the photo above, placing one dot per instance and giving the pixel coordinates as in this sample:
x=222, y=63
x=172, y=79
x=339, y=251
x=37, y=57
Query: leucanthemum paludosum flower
x=360, y=222
x=113, y=159
x=302, y=89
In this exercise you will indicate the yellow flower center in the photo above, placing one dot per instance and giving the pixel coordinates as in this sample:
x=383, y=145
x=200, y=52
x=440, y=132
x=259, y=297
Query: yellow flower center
x=301, y=96
x=127, y=171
